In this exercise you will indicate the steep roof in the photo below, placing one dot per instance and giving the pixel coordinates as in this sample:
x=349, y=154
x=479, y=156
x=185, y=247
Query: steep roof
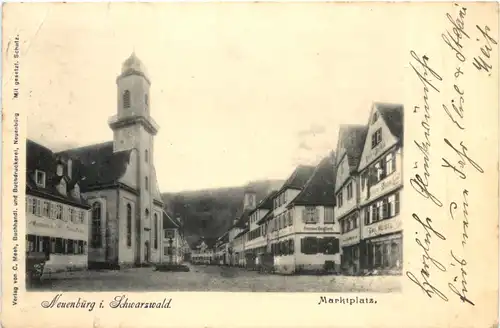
x=266, y=217
x=352, y=138
x=319, y=189
x=242, y=221
x=41, y=158
x=101, y=166
x=299, y=177
x=393, y=117
x=242, y=232
x=168, y=222
x=266, y=203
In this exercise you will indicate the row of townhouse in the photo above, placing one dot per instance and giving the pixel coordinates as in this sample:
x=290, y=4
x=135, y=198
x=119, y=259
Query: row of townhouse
x=368, y=191
x=342, y=215
x=292, y=229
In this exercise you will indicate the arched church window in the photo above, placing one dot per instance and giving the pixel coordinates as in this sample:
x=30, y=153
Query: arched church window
x=146, y=99
x=146, y=213
x=126, y=99
x=146, y=154
x=156, y=232
x=129, y=225
x=146, y=183
x=96, y=241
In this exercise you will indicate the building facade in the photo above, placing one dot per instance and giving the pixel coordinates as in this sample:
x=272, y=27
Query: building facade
x=347, y=195
x=381, y=185
x=119, y=179
x=57, y=216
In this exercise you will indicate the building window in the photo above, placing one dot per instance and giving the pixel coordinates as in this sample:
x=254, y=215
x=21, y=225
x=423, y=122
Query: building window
x=309, y=245
x=155, y=240
x=364, y=179
x=390, y=163
x=146, y=99
x=349, y=190
x=146, y=213
x=375, y=117
x=46, y=211
x=339, y=199
x=40, y=178
x=59, y=211
x=379, y=171
x=146, y=183
x=376, y=137
x=72, y=214
x=129, y=225
x=146, y=156
x=126, y=99
x=37, y=207
x=96, y=240
x=52, y=211
x=329, y=245
x=329, y=217
x=311, y=214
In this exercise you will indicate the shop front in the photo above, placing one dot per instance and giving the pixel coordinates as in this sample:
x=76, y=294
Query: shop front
x=350, y=243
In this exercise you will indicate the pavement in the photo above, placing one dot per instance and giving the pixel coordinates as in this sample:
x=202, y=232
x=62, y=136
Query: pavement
x=212, y=278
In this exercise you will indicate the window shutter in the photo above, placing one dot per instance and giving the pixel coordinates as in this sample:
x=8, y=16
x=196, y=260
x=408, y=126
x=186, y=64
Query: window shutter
x=397, y=203
x=316, y=215
x=304, y=215
x=302, y=245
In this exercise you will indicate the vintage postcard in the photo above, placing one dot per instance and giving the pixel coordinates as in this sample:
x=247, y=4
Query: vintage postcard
x=250, y=164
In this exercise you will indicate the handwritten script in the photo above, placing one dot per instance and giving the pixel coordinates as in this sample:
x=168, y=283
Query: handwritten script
x=456, y=163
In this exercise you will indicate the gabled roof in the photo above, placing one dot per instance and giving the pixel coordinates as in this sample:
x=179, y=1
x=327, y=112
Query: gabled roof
x=319, y=189
x=352, y=138
x=298, y=178
x=41, y=158
x=101, y=166
x=393, y=117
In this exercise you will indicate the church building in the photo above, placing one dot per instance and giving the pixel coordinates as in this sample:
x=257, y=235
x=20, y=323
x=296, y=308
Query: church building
x=118, y=179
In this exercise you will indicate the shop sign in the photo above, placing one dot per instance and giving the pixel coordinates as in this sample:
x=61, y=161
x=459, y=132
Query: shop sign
x=350, y=238
x=318, y=228
x=59, y=225
x=385, y=185
x=383, y=227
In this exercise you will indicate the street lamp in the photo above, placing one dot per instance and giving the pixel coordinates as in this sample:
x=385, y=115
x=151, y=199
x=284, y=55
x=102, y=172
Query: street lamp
x=171, y=253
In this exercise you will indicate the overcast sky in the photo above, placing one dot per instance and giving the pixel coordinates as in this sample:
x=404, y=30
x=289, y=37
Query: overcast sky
x=241, y=92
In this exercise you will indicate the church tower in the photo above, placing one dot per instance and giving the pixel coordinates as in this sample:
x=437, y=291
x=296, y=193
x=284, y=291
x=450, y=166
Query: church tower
x=134, y=128
x=249, y=199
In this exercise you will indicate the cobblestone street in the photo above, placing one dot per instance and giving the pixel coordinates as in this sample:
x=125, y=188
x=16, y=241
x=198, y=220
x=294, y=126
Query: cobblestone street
x=213, y=278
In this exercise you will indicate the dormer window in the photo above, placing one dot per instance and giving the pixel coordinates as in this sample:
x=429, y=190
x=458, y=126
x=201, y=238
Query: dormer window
x=126, y=99
x=40, y=178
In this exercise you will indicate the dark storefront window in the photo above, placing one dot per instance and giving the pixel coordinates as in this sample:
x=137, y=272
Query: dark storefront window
x=384, y=254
